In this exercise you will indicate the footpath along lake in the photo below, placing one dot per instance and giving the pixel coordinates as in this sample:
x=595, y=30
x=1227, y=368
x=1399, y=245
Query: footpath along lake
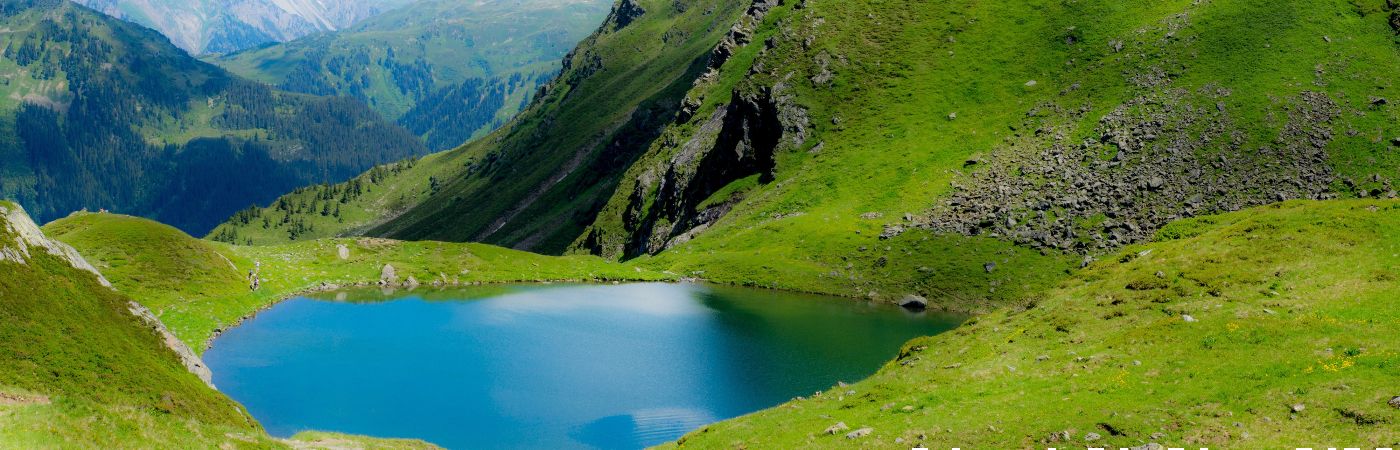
x=557, y=366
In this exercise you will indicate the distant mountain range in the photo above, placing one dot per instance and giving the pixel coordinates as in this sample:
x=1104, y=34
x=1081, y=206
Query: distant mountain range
x=448, y=70
x=221, y=26
x=101, y=113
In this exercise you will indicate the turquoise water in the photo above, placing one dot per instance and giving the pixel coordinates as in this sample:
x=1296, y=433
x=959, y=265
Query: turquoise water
x=561, y=366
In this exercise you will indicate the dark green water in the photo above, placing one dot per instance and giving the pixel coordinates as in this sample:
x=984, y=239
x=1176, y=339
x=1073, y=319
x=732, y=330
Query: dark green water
x=556, y=366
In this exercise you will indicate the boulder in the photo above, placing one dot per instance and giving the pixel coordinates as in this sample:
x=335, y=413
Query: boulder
x=343, y=251
x=863, y=432
x=412, y=282
x=387, y=274
x=1092, y=437
x=990, y=266
x=1394, y=402
x=839, y=427
x=1188, y=318
x=912, y=301
x=1298, y=408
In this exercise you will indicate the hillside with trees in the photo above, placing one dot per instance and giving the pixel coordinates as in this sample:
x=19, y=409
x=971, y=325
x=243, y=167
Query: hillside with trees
x=103, y=114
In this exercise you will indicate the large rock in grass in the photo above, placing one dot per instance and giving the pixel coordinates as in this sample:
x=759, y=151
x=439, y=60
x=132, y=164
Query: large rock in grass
x=342, y=251
x=912, y=301
x=387, y=274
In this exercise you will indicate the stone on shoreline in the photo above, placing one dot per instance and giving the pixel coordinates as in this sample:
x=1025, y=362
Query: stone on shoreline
x=912, y=301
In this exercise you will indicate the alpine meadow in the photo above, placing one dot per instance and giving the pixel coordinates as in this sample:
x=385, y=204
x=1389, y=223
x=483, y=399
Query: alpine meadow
x=702, y=224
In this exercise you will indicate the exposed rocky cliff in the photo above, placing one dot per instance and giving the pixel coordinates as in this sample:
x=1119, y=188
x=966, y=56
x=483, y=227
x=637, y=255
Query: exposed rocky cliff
x=29, y=237
x=668, y=197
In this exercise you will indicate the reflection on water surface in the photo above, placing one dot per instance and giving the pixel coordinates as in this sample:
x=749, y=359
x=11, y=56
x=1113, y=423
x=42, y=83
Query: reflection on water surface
x=563, y=366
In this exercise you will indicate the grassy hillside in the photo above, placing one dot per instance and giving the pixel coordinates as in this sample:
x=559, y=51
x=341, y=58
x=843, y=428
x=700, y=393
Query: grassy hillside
x=73, y=341
x=536, y=182
x=884, y=148
x=963, y=151
x=1289, y=304
x=100, y=113
x=449, y=70
x=198, y=288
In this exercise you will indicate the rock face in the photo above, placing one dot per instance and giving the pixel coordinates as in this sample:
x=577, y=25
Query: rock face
x=387, y=274
x=187, y=357
x=624, y=12
x=736, y=141
x=28, y=237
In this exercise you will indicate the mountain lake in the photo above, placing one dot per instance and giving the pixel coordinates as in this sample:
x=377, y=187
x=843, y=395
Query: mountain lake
x=558, y=366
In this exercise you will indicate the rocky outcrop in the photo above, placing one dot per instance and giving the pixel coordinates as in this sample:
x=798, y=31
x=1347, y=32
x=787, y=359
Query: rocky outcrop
x=669, y=199
x=1162, y=156
x=624, y=12
x=191, y=361
x=28, y=236
x=737, y=141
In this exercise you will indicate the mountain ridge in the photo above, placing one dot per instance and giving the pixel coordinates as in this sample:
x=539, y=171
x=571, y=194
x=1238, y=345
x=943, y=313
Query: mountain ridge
x=105, y=114
x=221, y=26
x=448, y=70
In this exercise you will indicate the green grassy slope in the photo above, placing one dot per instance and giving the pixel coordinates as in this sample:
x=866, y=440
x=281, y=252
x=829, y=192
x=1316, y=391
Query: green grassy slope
x=148, y=260
x=198, y=288
x=1293, y=304
x=396, y=59
x=536, y=182
x=1025, y=134
x=69, y=338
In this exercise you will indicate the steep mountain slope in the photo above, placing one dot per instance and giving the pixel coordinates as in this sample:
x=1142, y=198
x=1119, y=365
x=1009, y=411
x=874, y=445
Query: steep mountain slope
x=448, y=70
x=1206, y=337
x=221, y=26
x=966, y=152
x=536, y=182
x=958, y=150
x=101, y=113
